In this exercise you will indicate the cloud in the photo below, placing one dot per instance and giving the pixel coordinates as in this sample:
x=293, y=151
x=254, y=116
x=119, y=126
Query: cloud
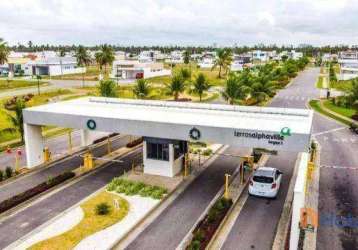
x=166, y=22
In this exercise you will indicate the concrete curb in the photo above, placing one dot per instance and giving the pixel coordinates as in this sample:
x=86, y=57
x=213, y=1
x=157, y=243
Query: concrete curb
x=37, y=198
x=79, y=178
x=163, y=204
x=188, y=237
x=310, y=240
x=213, y=244
x=285, y=218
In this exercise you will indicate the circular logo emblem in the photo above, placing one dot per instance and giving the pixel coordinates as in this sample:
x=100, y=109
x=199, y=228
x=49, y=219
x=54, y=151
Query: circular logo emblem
x=91, y=124
x=285, y=131
x=194, y=134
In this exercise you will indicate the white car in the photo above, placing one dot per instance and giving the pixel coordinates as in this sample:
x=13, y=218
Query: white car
x=265, y=182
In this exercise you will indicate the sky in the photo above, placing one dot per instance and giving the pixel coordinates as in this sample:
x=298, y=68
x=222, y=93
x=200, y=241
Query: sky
x=179, y=22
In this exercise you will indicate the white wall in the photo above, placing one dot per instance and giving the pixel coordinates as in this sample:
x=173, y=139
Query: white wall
x=164, y=168
x=33, y=145
x=55, y=70
x=298, y=199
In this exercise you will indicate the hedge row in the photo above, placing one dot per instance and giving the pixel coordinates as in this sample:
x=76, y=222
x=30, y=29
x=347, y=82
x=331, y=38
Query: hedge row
x=135, y=142
x=42, y=187
x=206, y=229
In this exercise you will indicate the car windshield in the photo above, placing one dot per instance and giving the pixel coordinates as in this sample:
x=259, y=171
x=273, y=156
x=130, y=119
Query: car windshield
x=263, y=179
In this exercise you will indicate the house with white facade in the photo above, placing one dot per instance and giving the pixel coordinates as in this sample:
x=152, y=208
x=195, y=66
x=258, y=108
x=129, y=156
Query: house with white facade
x=151, y=55
x=134, y=69
x=294, y=55
x=207, y=60
x=176, y=56
x=53, y=66
x=348, y=62
x=260, y=55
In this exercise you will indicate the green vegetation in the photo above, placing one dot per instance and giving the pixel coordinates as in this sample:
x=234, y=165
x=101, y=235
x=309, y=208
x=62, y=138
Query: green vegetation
x=347, y=112
x=315, y=105
x=83, y=59
x=6, y=84
x=4, y=51
x=200, y=85
x=121, y=185
x=141, y=89
x=107, y=88
x=90, y=224
x=319, y=83
x=176, y=86
x=223, y=60
x=105, y=57
x=102, y=208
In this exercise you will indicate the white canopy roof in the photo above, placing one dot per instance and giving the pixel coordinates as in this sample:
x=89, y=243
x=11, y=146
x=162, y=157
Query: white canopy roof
x=153, y=118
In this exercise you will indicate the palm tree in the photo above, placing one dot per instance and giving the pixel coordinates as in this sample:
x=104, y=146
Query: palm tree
x=105, y=57
x=107, y=88
x=17, y=119
x=185, y=74
x=83, y=60
x=4, y=52
x=234, y=89
x=176, y=86
x=223, y=60
x=61, y=54
x=262, y=88
x=142, y=88
x=200, y=85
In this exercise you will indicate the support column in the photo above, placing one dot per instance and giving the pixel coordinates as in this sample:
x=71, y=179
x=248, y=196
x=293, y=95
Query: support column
x=33, y=145
x=86, y=138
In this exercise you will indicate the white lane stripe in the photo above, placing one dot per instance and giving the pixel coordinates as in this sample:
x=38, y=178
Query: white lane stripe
x=329, y=131
x=339, y=167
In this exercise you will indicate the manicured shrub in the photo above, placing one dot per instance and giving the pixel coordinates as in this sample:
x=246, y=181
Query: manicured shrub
x=28, y=194
x=207, y=152
x=9, y=172
x=102, y=208
x=194, y=245
x=2, y=177
x=134, y=142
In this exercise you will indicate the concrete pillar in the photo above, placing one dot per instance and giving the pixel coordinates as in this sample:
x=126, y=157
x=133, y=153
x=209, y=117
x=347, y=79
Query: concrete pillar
x=33, y=145
x=86, y=138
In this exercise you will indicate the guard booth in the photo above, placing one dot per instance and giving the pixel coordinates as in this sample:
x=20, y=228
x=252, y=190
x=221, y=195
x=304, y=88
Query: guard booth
x=168, y=126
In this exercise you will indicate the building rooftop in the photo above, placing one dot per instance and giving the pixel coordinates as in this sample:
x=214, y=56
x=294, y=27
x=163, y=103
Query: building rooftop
x=192, y=114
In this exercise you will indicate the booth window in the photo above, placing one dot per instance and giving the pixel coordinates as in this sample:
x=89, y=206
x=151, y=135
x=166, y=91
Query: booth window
x=158, y=151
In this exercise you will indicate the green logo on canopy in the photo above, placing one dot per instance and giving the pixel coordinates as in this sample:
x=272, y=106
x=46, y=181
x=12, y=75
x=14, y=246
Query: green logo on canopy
x=91, y=124
x=285, y=131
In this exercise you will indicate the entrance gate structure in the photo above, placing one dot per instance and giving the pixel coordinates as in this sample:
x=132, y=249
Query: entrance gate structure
x=167, y=127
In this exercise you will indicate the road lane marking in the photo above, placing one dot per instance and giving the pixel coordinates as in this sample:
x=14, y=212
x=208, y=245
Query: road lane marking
x=329, y=131
x=339, y=167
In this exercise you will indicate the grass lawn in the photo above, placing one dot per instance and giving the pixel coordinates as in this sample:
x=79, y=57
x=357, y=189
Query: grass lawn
x=319, y=83
x=347, y=112
x=6, y=127
x=90, y=224
x=342, y=85
x=13, y=84
x=315, y=105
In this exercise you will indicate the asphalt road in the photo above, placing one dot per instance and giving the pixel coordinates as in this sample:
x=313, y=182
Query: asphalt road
x=28, y=181
x=168, y=229
x=256, y=224
x=259, y=216
x=15, y=227
x=57, y=145
x=338, y=187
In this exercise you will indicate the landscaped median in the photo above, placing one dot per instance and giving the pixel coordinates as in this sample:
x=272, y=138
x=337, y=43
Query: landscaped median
x=325, y=110
x=99, y=220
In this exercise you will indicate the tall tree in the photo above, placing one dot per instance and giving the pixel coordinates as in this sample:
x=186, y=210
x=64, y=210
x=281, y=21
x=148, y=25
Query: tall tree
x=17, y=119
x=83, y=60
x=61, y=54
x=141, y=88
x=262, y=88
x=105, y=57
x=186, y=57
x=201, y=85
x=107, y=88
x=176, y=86
x=223, y=60
x=234, y=89
x=4, y=52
